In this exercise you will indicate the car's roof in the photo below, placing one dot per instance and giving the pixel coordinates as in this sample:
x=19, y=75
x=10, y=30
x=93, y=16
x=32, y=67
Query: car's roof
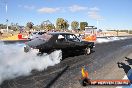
x=57, y=33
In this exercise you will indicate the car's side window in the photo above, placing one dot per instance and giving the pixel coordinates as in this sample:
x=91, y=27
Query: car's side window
x=72, y=38
x=61, y=38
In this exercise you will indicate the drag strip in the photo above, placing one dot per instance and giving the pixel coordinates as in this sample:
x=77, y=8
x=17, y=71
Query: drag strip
x=100, y=58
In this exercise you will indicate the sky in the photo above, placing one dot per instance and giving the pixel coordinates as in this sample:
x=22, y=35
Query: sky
x=109, y=13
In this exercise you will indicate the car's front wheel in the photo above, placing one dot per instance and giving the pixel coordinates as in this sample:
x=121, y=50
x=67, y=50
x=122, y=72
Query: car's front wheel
x=87, y=51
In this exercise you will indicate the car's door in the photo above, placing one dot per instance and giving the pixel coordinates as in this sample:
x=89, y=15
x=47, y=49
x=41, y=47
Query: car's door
x=61, y=42
x=74, y=41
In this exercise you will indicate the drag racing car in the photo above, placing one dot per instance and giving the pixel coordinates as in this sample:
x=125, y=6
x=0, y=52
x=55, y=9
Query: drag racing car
x=64, y=41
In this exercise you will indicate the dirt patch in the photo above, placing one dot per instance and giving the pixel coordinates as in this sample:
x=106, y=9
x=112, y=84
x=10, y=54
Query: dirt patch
x=11, y=35
x=6, y=35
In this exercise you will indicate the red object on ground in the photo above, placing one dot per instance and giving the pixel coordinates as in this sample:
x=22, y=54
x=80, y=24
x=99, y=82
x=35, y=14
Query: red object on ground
x=19, y=36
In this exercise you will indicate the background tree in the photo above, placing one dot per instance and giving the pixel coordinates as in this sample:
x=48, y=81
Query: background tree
x=66, y=24
x=50, y=26
x=74, y=25
x=14, y=26
x=47, y=25
x=83, y=25
x=30, y=25
x=42, y=26
x=61, y=24
x=2, y=26
x=37, y=27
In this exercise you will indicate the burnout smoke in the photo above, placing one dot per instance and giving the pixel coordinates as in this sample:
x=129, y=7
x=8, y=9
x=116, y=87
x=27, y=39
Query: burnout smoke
x=14, y=62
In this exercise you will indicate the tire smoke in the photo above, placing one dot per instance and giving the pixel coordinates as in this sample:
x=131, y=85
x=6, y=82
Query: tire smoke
x=14, y=62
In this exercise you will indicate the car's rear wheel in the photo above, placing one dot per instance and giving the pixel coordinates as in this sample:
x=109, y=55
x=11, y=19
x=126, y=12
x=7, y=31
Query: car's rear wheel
x=87, y=51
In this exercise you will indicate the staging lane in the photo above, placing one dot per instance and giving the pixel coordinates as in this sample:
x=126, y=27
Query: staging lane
x=97, y=60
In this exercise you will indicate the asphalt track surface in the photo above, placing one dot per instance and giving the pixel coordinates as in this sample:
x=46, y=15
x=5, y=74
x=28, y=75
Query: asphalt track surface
x=101, y=64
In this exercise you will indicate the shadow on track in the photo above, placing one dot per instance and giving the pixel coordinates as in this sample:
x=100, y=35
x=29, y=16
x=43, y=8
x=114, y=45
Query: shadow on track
x=129, y=60
x=73, y=54
x=124, y=66
x=127, y=70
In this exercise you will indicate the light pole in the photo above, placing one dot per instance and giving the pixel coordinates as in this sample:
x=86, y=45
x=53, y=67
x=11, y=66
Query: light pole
x=6, y=16
x=4, y=2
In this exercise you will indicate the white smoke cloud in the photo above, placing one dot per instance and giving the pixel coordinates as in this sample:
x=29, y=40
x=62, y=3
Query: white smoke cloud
x=14, y=62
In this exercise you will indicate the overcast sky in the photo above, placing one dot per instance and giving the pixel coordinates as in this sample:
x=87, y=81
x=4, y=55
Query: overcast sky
x=110, y=13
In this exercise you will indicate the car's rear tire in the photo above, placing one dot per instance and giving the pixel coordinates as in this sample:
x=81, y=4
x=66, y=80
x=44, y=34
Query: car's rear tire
x=87, y=51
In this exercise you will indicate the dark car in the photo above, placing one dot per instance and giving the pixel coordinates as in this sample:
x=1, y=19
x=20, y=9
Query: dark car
x=49, y=42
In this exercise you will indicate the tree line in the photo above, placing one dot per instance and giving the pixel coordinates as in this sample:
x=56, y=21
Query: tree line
x=12, y=26
x=61, y=24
